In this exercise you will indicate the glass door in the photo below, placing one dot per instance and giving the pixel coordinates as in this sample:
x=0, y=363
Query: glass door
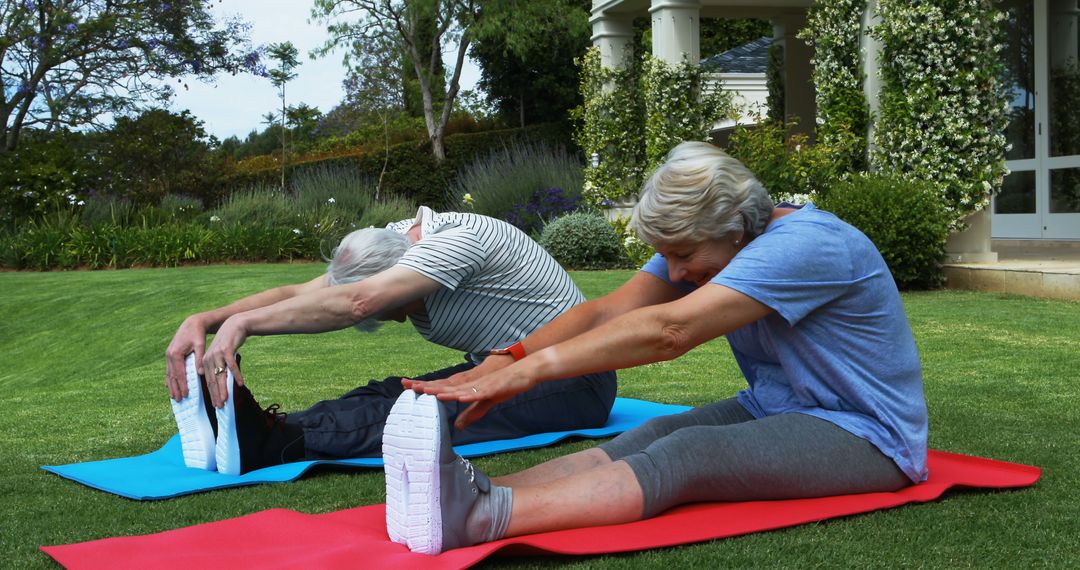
x=1063, y=122
x=1040, y=197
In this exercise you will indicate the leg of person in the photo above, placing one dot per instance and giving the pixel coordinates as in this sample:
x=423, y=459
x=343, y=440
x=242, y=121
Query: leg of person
x=573, y=403
x=352, y=425
x=437, y=501
x=778, y=457
x=629, y=442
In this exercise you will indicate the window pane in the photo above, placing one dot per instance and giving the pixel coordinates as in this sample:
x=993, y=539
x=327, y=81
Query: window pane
x=1020, y=77
x=1017, y=194
x=1065, y=191
x=1064, y=40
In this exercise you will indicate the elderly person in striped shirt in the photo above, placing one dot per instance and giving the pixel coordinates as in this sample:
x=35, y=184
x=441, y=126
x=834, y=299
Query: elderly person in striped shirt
x=465, y=281
x=834, y=400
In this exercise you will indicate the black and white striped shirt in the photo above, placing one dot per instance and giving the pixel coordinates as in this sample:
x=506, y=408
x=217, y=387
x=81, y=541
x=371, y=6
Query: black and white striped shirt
x=498, y=285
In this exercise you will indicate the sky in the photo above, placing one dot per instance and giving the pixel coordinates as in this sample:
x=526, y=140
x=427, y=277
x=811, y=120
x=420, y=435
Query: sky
x=235, y=105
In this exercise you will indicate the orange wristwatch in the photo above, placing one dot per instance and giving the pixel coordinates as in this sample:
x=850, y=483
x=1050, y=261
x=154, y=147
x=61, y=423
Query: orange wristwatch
x=517, y=350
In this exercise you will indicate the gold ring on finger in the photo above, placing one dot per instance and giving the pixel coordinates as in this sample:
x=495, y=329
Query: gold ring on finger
x=219, y=370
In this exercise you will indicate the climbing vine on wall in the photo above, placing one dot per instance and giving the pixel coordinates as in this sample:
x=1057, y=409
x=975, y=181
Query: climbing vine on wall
x=630, y=118
x=943, y=106
x=834, y=28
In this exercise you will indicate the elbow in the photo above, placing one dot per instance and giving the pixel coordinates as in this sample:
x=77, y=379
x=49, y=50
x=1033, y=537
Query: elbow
x=361, y=309
x=675, y=341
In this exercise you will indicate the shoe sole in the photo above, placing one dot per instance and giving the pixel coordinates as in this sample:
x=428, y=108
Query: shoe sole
x=193, y=423
x=227, y=451
x=411, y=464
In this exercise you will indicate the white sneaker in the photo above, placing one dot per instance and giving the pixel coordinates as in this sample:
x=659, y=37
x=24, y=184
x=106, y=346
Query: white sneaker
x=193, y=420
x=430, y=490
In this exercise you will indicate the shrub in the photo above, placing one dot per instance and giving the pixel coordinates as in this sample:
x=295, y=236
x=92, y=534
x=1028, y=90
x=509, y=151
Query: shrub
x=907, y=221
x=411, y=171
x=543, y=206
x=508, y=179
x=637, y=251
x=583, y=240
x=789, y=166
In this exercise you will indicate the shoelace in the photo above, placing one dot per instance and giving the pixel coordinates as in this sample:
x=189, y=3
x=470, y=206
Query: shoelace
x=274, y=415
x=471, y=471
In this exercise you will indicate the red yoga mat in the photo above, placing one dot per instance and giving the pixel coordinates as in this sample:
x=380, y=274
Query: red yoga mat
x=357, y=537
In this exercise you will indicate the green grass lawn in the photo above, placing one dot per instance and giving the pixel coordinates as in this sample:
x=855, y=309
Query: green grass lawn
x=82, y=378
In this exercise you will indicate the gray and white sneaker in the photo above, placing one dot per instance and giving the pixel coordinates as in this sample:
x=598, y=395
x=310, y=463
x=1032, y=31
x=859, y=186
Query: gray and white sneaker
x=430, y=490
x=195, y=419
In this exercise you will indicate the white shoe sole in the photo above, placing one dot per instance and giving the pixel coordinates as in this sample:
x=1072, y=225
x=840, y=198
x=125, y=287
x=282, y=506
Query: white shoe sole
x=227, y=451
x=196, y=433
x=411, y=463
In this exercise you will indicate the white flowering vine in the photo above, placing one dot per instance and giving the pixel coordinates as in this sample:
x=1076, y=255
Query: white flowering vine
x=942, y=111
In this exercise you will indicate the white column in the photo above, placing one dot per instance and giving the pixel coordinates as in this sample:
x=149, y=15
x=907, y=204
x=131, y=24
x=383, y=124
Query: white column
x=614, y=36
x=676, y=30
x=871, y=80
x=972, y=245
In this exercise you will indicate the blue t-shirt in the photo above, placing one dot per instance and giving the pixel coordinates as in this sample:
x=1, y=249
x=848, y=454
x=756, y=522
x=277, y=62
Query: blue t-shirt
x=838, y=346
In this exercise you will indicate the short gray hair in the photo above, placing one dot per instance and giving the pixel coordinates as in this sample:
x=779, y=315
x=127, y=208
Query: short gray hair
x=700, y=193
x=364, y=253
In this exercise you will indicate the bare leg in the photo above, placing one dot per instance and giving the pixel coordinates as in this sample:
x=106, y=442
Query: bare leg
x=607, y=494
x=555, y=469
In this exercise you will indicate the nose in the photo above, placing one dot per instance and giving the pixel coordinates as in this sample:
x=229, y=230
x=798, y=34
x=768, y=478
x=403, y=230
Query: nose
x=676, y=272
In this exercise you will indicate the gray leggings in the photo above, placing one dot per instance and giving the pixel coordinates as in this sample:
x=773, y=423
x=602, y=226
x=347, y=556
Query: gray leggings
x=720, y=452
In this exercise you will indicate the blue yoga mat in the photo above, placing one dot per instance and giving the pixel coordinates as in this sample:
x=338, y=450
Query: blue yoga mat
x=163, y=475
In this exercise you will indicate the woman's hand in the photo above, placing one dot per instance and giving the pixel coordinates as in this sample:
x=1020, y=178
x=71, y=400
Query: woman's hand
x=189, y=338
x=221, y=356
x=482, y=387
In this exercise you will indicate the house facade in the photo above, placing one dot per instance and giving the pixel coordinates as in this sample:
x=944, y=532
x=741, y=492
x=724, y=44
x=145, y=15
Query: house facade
x=1040, y=198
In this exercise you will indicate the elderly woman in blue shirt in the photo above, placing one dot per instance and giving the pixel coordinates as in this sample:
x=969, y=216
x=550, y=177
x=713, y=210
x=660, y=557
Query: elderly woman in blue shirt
x=834, y=400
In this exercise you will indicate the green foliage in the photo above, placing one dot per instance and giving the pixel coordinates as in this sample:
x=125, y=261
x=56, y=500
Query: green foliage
x=834, y=30
x=149, y=156
x=67, y=63
x=415, y=30
x=722, y=34
x=943, y=109
x=45, y=174
x=583, y=240
x=789, y=167
x=907, y=221
x=508, y=177
x=526, y=57
x=677, y=107
x=412, y=171
x=610, y=129
x=637, y=251
x=253, y=225
x=630, y=118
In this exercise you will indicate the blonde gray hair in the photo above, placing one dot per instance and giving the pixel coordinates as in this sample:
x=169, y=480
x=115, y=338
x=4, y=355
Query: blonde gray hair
x=364, y=253
x=700, y=193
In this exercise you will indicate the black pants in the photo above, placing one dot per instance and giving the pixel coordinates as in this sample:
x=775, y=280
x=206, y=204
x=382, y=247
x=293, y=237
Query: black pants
x=352, y=425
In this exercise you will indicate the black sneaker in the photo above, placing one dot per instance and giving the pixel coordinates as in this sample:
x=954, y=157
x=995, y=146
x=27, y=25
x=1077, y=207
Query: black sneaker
x=251, y=438
x=196, y=421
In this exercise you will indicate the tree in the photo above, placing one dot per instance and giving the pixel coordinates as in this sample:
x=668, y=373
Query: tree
x=526, y=53
x=400, y=23
x=373, y=86
x=65, y=63
x=284, y=54
x=156, y=153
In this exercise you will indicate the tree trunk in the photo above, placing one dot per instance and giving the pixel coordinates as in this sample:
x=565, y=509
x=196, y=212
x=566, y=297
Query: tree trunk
x=386, y=161
x=283, y=138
